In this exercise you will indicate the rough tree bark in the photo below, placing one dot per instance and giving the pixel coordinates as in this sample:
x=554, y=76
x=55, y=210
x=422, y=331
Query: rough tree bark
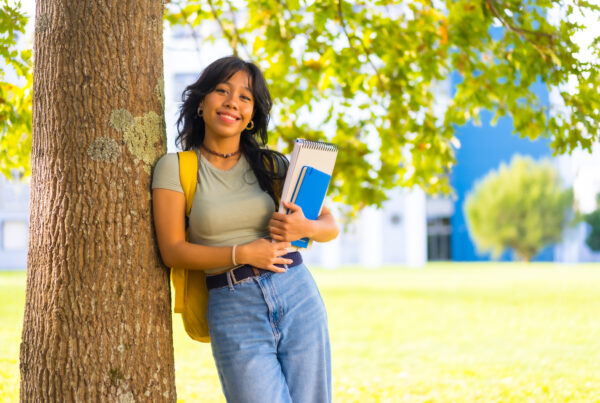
x=97, y=323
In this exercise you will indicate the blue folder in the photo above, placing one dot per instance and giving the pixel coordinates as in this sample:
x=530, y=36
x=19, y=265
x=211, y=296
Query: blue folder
x=309, y=193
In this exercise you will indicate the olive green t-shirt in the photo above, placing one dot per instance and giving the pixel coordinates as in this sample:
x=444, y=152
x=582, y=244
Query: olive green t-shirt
x=229, y=207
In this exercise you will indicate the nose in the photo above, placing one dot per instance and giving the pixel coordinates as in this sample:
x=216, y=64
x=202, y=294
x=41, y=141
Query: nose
x=230, y=102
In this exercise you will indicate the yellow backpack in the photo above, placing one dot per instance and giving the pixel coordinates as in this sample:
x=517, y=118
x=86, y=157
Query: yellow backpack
x=191, y=294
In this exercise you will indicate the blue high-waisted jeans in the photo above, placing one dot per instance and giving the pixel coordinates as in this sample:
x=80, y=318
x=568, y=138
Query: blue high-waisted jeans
x=270, y=340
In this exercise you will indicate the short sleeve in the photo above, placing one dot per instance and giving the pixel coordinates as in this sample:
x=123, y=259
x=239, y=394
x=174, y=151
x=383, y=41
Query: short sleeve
x=166, y=173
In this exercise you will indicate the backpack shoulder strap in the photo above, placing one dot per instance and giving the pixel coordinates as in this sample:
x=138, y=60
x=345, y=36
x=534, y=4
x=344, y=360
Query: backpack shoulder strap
x=188, y=176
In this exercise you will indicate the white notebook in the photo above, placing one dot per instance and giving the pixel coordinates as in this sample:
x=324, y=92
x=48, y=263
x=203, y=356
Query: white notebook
x=316, y=154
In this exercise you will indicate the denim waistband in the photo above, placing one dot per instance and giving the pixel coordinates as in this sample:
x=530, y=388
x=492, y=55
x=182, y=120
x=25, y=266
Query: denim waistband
x=245, y=271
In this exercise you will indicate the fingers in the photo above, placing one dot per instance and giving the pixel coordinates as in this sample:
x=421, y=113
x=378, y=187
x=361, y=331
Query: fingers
x=293, y=209
x=287, y=227
x=283, y=230
x=280, y=251
x=276, y=269
x=284, y=261
x=278, y=216
x=291, y=206
x=283, y=246
x=280, y=262
x=274, y=223
x=277, y=234
x=270, y=254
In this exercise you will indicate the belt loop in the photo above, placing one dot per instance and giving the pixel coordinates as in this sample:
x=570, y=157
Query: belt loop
x=229, y=281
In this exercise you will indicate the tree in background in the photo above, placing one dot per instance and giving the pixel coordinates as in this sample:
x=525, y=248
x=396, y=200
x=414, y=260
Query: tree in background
x=15, y=100
x=593, y=220
x=522, y=206
x=372, y=74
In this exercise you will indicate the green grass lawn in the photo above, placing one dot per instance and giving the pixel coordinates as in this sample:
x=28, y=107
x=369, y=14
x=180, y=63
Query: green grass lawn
x=445, y=333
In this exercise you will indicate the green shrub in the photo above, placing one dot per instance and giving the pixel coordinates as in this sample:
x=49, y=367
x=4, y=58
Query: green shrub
x=593, y=220
x=523, y=207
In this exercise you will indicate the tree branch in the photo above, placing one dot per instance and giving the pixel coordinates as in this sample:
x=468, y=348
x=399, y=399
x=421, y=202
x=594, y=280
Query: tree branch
x=238, y=38
x=362, y=44
x=520, y=31
x=232, y=41
x=191, y=27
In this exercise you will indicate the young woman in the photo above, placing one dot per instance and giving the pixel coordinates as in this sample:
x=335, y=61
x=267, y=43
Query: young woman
x=268, y=325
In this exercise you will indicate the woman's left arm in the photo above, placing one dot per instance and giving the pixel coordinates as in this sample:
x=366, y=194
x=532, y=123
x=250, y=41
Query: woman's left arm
x=293, y=226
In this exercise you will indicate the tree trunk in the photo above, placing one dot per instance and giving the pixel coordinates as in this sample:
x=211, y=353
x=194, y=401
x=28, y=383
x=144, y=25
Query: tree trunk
x=97, y=323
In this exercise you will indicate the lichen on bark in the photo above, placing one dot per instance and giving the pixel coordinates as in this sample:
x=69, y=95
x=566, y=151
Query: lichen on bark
x=159, y=90
x=104, y=149
x=143, y=138
x=121, y=119
x=42, y=22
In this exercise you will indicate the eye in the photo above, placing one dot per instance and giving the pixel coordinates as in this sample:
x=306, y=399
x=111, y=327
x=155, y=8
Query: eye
x=221, y=90
x=246, y=98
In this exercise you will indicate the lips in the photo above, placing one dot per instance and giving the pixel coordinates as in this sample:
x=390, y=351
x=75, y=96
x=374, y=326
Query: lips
x=227, y=117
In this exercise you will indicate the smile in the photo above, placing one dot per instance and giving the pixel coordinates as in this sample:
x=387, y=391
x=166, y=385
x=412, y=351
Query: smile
x=227, y=117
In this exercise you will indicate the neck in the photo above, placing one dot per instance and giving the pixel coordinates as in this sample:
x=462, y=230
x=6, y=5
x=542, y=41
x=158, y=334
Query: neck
x=218, y=161
x=220, y=151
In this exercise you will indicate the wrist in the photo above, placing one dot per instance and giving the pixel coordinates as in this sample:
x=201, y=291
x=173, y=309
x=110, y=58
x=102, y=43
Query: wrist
x=310, y=228
x=240, y=254
x=233, y=255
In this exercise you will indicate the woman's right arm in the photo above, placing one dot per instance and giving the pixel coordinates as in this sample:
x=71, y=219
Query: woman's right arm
x=168, y=207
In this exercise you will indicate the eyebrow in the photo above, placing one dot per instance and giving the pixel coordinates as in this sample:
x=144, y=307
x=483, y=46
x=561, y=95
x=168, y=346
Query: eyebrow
x=229, y=84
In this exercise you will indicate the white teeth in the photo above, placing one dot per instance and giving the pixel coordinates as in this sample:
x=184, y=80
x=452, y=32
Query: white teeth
x=228, y=117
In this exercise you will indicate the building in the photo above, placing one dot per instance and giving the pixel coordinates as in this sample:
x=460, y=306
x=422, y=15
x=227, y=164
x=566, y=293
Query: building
x=484, y=148
x=14, y=223
x=409, y=230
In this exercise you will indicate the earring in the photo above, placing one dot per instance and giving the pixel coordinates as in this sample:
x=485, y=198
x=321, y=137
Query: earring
x=199, y=111
x=250, y=126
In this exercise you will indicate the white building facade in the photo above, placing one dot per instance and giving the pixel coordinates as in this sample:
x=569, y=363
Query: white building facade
x=14, y=224
x=409, y=230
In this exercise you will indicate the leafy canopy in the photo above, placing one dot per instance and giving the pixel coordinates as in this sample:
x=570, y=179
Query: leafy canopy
x=15, y=100
x=522, y=206
x=370, y=75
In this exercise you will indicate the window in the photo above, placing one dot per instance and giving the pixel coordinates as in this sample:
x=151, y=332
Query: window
x=438, y=239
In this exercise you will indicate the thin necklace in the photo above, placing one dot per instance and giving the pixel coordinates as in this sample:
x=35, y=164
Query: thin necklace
x=219, y=154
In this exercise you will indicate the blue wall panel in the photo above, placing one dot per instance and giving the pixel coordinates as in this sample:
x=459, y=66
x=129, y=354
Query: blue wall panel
x=482, y=149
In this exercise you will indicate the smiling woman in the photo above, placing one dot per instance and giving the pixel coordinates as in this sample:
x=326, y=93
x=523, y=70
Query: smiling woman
x=267, y=321
x=227, y=112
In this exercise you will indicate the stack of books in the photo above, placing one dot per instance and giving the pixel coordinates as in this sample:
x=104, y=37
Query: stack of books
x=307, y=179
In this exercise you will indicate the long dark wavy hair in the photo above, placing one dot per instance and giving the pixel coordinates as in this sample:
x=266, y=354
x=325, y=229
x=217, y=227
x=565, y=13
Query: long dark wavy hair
x=269, y=166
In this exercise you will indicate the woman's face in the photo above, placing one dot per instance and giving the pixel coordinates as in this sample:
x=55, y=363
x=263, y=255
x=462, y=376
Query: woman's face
x=228, y=109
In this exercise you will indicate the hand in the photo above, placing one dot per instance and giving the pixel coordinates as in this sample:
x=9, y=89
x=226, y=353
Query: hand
x=264, y=254
x=289, y=227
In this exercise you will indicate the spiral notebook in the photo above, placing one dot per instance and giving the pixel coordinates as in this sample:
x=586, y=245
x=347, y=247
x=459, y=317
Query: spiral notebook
x=307, y=179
